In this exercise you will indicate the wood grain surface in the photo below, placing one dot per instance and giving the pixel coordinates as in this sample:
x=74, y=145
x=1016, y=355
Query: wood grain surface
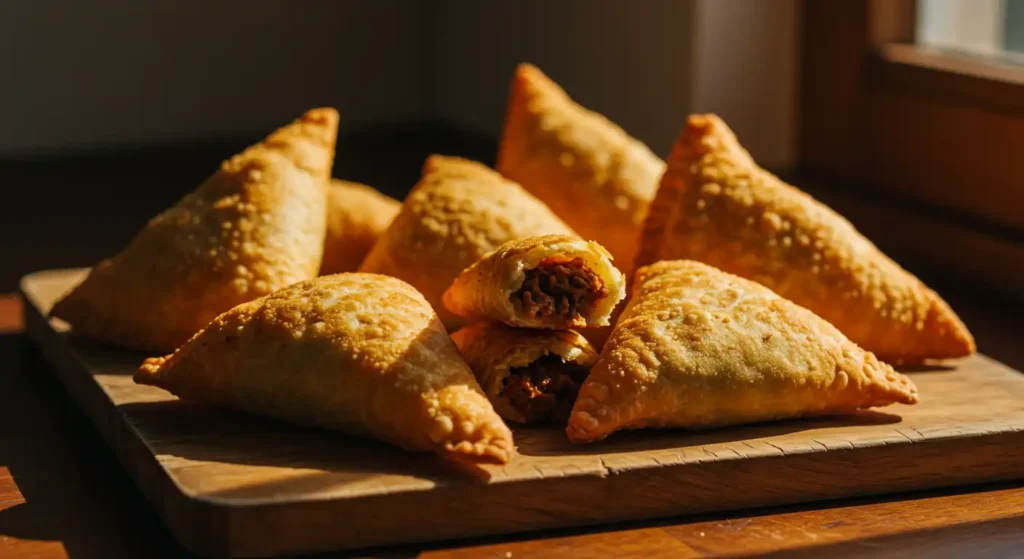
x=220, y=479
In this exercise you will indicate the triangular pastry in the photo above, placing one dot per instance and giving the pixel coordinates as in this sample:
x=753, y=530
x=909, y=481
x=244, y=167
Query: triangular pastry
x=587, y=169
x=717, y=206
x=549, y=281
x=361, y=353
x=356, y=216
x=253, y=227
x=697, y=347
x=531, y=376
x=458, y=212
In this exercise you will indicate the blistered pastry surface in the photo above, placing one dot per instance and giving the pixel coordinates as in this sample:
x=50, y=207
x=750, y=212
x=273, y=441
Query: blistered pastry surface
x=458, y=212
x=697, y=347
x=717, y=206
x=356, y=216
x=362, y=353
x=253, y=227
x=586, y=168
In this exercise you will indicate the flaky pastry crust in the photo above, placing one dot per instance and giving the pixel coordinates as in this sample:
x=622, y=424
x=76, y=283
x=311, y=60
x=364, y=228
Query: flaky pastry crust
x=253, y=227
x=697, y=347
x=484, y=291
x=361, y=353
x=459, y=211
x=356, y=216
x=586, y=168
x=717, y=206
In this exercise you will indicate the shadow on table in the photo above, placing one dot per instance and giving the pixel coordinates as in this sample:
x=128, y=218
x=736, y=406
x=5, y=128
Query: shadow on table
x=924, y=368
x=188, y=435
x=74, y=490
x=548, y=442
x=210, y=436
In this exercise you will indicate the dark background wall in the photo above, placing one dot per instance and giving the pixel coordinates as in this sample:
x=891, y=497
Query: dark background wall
x=88, y=75
x=111, y=110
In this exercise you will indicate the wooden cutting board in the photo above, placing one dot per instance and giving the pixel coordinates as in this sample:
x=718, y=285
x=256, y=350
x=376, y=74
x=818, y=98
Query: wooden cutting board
x=232, y=484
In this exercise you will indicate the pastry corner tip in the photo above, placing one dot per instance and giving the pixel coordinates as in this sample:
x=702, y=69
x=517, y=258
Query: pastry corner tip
x=436, y=161
x=583, y=425
x=150, y=371
x=530, y=80
x=701, y=125
x=525, y=70
x=960, y=343
x=496, y=450
x=895, y=387
x=906, y=391
x=945, y=333
x=327, y=116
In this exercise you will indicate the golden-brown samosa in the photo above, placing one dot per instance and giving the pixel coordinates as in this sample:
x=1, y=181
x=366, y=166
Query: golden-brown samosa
x=717, y=206
x=356, y=216
x=697, y=347
x=458, y=212
x=361, y=353
x=254, y=226
x=531, y=376
x=588, y=170
x=549, y=281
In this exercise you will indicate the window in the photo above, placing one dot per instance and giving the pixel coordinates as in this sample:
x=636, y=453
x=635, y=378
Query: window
x=991, y=28
x=918, y=107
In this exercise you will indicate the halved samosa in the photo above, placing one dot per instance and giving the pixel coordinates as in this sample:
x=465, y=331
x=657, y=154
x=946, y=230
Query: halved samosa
x=361, y=353
x=588, y=170
x=717, y=206
x=531, y=376
x=459, y=211
x=356, y=216
x=252, y=228
x=549, y=281
x=697, y=347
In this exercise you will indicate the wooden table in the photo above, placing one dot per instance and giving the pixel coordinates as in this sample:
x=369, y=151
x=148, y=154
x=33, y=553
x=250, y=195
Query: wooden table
x=63, y=494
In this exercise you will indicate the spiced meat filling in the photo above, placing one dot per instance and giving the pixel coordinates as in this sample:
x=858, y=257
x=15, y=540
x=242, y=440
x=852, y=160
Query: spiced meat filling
x=559, y=288
x=545, y=390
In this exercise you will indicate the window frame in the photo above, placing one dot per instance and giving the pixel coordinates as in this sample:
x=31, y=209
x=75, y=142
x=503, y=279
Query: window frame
x=916, y=122
x=914, y=131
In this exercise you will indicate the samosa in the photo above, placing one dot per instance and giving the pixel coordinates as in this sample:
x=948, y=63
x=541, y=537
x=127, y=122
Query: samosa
x=594, y=175
x=697, y=347
x=717, y=206
x=357, y=215
x=361, y=353
x=549, y=281
x=530, y=375
x=458, y=212
x=253, y=227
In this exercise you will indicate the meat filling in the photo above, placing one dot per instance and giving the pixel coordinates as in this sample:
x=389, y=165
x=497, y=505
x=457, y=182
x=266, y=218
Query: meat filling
x=559, y=288
x=545, y=390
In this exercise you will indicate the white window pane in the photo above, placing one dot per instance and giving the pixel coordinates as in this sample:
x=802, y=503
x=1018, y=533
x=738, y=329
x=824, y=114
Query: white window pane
x=967, y=25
